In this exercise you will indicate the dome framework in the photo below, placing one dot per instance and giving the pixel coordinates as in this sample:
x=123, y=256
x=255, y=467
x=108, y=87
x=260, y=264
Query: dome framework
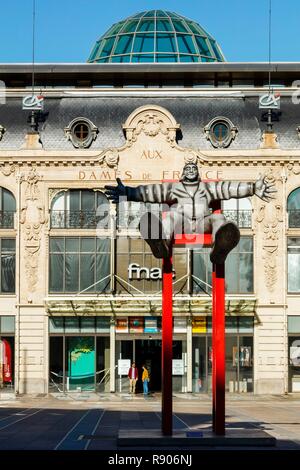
x=156, y=36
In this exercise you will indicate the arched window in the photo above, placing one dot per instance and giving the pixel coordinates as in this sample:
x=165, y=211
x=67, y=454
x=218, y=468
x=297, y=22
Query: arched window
x=80, y=208
x=238, y=210
x=7, y=208
x=293, y=207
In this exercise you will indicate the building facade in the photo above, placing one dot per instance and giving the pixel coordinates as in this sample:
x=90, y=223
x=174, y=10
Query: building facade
x=80, y=290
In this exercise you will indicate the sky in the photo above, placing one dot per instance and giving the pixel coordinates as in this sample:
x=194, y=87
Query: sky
x=67, y=29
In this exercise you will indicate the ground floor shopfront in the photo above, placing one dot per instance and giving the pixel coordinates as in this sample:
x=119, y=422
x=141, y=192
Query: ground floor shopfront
x=95, y=353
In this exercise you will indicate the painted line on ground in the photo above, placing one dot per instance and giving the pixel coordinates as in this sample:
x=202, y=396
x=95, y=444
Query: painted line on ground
x=18, y=420
x=19, y=411
x=94, y=430
x=85, y=426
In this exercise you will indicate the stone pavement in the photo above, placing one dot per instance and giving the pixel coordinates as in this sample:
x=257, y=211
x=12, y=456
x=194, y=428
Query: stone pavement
x=94, y=422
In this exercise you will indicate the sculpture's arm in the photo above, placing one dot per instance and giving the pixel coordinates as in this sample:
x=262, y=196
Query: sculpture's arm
x=153, y=193
x=236, y=189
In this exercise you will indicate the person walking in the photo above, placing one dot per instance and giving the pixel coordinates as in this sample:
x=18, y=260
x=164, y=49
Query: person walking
x=145, y=380
x=133, y=377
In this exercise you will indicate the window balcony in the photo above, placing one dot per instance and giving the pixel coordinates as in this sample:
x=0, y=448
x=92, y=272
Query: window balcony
x=79, y=219
x=7, y=219
x=242, y=218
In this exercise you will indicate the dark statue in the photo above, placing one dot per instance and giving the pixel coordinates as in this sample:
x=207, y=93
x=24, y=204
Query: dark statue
x=188, y=210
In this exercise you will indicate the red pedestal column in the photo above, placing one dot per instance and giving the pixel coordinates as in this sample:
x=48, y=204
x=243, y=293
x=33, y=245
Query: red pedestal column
x=167, y=346
x=218, y=349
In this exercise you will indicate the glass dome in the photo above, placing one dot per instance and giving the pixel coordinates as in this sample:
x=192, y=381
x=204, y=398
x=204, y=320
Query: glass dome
x=156, y=36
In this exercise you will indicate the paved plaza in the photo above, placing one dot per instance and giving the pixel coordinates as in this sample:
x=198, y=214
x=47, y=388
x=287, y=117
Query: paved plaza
x=93, y=422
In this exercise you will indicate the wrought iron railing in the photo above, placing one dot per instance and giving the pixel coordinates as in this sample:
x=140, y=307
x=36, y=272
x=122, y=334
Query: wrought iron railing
x=79, y=219
x=294, y=218
x=7, y=219
x=131, y=219
x=243, y=219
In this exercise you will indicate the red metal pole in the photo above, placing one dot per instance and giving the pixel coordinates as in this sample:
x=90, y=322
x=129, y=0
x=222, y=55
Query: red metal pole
x=218, y=353
x=167, y=346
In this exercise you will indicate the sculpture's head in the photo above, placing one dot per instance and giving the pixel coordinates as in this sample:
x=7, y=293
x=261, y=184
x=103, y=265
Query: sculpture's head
x=190, y=173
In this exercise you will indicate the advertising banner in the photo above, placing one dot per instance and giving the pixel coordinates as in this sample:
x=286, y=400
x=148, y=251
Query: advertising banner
x=199, y=325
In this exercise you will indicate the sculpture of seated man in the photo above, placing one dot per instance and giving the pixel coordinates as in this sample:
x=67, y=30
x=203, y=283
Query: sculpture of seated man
x=188, y=204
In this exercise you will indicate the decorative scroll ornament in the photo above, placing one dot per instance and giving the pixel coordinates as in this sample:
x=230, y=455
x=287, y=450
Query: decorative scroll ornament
x=33, y=217
x=110, y=158
x=270, y=222
x=293, y=169
x=151, y=121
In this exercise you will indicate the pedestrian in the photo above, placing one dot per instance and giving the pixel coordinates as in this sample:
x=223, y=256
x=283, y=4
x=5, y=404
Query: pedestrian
x=145, y=379
x=133, y=377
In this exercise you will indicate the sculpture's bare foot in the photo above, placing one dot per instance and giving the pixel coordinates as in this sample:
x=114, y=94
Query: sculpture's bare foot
x=226, y=238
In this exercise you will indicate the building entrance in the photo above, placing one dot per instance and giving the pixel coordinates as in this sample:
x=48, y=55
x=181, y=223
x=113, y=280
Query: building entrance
x=148, y=351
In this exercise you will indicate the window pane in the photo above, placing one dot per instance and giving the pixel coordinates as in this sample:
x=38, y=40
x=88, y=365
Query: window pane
x=124, y=44
x=103, y=324
x=185, y=44
x=8, y=269
x=8, y=244
x=203, y=46
x=232, y=273
x=130, y=26
x=179, y=26
x=72, y=273
x=246, y=324
x=107, y=47
x=231, y=324
x=144, y=43
x=102, y=273
x=142, y=58
x=74, y=200
x=246, y=272
x=294, y=324
x=216, y=51
x=166, y=58
x=146, y=25
x=72, y=244
x=88, y=200
x=87, y=272
x=88, y=245
x=71, y=325
x=56, y=325
x=165, y=43
x=7, y=324
x=103, y=245
x=56, y=283
x=8, y=202
x=163, y=25
x=87, y=324
x=293, y=272
x=57, y=245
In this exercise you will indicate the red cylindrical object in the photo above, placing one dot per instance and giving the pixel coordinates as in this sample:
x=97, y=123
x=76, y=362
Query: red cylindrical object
x=218, y=352
x=167, y=346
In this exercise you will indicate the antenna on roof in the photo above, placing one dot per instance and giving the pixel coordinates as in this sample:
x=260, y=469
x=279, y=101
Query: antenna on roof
x=270, y=101
x=33, y=102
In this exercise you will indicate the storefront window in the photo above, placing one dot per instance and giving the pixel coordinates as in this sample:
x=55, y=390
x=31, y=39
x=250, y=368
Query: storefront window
x=8, y=265
x=138, y=271
x=294, y=353
x=7, y=352
x=79, y=264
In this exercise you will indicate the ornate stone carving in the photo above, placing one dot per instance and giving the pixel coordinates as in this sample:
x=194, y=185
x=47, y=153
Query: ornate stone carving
x=90, y=132
x=270, y=220
x=151, y=121
x=226, y=140
x=33, y=217
x=110, y=158
x=293, y=169
x=7, y=169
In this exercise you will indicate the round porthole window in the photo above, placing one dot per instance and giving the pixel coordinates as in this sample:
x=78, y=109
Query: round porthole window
x=221, y=132
x=81, y=132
